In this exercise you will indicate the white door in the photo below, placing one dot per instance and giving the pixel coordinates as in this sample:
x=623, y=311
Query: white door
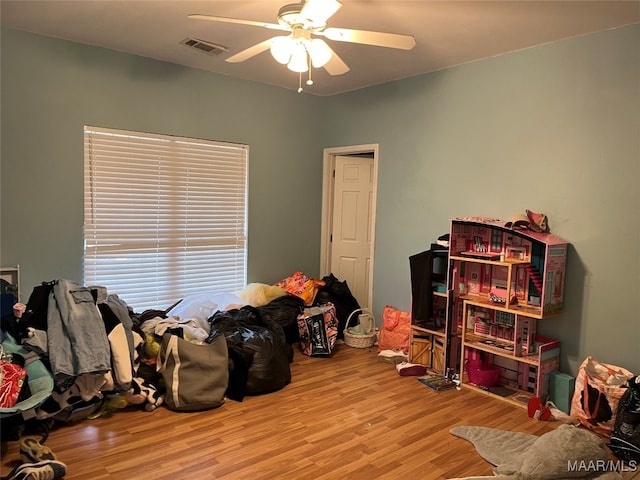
x=352, y=220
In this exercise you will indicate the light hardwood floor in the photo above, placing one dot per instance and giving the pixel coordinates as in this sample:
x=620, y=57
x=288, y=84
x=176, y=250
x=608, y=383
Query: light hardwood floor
x=345, y=417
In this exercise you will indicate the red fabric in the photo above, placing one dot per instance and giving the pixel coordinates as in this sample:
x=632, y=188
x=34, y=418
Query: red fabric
x=11, y=379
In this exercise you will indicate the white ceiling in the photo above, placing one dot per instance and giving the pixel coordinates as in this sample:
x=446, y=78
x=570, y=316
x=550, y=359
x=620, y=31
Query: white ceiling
x=447, y=32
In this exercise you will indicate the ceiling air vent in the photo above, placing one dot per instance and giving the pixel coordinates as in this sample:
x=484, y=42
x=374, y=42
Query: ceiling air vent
x=204, y=47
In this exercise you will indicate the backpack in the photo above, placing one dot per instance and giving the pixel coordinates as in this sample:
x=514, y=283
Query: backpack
x=39, y=386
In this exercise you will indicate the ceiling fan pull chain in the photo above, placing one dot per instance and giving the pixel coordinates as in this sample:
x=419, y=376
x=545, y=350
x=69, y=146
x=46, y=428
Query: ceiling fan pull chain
x=300, y=82
x=310, y=82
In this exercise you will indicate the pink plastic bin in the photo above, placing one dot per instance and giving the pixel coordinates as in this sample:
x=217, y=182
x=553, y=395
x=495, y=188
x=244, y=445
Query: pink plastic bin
x=482, y=374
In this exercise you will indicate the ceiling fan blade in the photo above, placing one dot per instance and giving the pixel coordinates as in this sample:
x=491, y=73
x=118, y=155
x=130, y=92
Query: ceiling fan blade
x=250, y=52
x=210, y=18
x=335, y=65
x=319, y=11
x=380, y=39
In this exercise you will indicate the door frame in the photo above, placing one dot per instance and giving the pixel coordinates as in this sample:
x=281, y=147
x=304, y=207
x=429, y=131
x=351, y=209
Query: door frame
x=328, y=167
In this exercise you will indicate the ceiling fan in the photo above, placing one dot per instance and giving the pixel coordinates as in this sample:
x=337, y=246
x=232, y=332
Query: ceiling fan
x=301, y=49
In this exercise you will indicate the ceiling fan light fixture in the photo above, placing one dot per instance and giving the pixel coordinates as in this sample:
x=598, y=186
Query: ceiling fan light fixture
x=298, y=49
x=298, y=61
x=281, y=49
x=319, y=52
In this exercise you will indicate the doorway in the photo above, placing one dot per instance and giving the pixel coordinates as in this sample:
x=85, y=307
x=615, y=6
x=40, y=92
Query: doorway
x=350, y=179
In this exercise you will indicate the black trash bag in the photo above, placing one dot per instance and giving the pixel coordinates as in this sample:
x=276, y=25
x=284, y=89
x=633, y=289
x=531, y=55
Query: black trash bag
x=338, y=293
x=259, y=355
x=284, y=312
x=35, y=316
x=625, y=439
x=8, y=297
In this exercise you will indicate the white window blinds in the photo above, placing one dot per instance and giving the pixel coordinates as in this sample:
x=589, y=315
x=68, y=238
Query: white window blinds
x=164, y=216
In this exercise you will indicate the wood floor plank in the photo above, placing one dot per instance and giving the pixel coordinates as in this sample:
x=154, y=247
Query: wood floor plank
x=345, y=417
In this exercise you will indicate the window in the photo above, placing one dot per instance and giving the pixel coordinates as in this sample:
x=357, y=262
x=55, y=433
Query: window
x=164, y=216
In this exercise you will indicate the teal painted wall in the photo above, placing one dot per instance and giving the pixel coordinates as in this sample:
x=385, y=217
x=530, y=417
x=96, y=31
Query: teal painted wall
x=555, y=129
x=52, y=88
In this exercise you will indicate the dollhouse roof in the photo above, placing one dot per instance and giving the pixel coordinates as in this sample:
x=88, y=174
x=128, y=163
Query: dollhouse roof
x=544, y=237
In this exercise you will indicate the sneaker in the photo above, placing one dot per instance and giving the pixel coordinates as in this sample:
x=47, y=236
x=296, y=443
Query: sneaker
x=392, y=356
x=31, y=450
x=47, y=470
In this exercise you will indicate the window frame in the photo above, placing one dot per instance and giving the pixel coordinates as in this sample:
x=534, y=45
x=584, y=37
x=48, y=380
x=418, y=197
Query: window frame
x=174, y=208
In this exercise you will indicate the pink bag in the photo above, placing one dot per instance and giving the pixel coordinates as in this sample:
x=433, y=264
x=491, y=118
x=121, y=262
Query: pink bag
x=599, y=388
x=395, y=330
